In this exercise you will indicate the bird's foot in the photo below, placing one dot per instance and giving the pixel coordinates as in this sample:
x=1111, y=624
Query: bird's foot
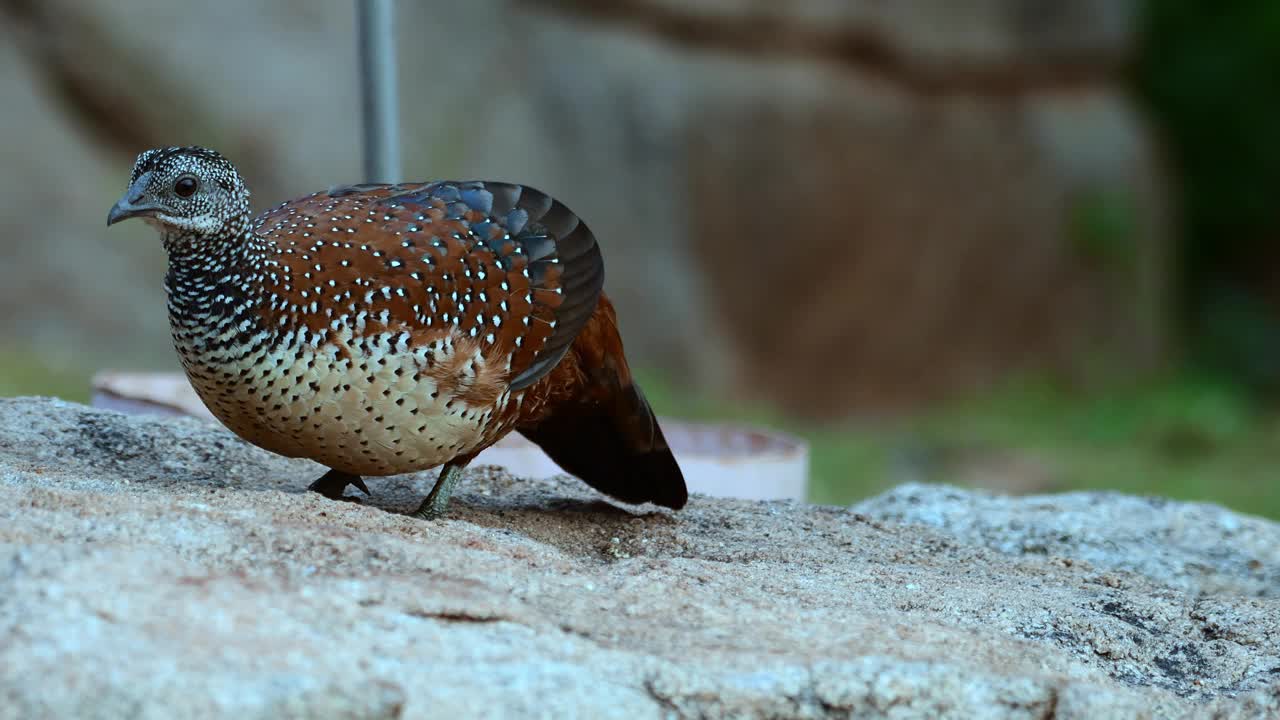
x=437, y=501
x=334, y=483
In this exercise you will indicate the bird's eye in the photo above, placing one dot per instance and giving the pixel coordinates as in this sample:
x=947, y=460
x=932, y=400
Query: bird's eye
x=186, y=186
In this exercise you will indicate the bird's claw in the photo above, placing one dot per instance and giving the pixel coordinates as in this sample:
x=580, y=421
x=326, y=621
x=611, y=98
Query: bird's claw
x=334, y=484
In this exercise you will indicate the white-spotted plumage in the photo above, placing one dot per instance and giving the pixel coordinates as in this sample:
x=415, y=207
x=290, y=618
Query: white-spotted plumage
x=395, y=375
x=374, y=328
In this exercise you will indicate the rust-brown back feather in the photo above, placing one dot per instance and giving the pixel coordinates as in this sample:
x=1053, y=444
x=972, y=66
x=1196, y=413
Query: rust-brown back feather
x=502, y=264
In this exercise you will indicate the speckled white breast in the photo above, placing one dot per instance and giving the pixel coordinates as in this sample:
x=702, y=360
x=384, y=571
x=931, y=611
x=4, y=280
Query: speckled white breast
x=366, y=408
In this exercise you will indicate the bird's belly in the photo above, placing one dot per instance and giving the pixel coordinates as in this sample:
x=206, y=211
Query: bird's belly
x=366, y=413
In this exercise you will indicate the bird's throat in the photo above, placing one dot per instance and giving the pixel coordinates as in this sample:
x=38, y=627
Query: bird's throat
x=214, y=276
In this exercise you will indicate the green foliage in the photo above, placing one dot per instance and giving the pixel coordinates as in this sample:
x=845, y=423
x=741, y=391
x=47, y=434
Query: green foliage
x=25, y=373
x=1103, y=229
x=1185, y=437
x=1208, y=73
x=1237, y=332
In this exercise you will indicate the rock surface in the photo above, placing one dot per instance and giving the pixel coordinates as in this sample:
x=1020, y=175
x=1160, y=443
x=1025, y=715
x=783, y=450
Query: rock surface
x=161, y=568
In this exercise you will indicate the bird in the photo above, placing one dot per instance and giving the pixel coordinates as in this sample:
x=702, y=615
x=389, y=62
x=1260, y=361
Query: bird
x=389, y=328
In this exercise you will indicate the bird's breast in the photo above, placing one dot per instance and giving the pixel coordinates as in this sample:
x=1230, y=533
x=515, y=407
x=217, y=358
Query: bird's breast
x=374, y=404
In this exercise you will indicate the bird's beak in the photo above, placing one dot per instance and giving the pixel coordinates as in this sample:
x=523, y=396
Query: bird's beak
x=132, y=204
x=124, y=210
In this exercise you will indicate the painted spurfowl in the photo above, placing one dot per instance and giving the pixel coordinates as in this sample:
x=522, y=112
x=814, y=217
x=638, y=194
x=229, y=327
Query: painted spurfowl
x=385, y=329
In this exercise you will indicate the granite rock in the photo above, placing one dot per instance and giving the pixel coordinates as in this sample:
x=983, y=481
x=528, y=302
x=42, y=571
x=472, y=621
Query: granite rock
x=159, y=568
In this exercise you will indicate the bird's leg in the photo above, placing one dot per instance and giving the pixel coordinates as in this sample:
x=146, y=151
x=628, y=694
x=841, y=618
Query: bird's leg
x=334, y=482
x=438, y=499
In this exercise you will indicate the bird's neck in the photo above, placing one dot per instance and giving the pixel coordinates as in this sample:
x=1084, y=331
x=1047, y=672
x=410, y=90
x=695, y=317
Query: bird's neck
x=213, y=274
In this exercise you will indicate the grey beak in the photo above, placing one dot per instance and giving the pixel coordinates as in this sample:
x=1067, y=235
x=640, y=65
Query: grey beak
x=132, y=205
x=121, y=211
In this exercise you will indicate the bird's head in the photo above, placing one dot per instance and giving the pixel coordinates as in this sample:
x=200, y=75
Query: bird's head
x=187, y=191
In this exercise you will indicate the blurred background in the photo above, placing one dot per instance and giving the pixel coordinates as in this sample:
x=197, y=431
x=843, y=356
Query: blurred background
x=1020, y=244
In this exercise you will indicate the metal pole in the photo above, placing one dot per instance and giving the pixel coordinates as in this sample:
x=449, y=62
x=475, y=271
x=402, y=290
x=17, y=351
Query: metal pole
x=380, y=101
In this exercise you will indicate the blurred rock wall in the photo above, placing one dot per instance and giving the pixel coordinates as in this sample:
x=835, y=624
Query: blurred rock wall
x=833, y=205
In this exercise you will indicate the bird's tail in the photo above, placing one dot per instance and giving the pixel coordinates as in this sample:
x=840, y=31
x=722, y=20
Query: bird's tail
x=614, y=444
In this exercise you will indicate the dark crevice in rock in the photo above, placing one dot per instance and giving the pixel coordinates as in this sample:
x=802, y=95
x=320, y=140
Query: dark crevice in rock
x=459, y=617
x=1051, y=711
x=651, y=687
x=1121, y=612
x=861, y=49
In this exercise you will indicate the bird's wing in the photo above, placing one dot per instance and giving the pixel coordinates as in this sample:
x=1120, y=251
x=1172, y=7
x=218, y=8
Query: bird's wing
x=503, y=264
